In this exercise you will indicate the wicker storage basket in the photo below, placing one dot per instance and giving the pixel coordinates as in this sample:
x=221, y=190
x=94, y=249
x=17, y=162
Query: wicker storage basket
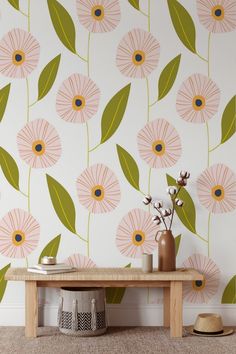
x=82, y=311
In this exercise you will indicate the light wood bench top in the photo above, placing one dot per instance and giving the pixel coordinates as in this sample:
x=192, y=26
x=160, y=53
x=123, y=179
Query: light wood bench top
x=105, y=274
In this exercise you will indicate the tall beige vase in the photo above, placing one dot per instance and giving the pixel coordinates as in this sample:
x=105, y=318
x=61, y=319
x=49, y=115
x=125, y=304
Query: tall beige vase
x=166, y=251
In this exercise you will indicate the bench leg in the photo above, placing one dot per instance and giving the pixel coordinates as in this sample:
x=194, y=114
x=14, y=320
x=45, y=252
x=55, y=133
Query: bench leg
x=166, y=307
x=176, y=309
x=31, y=309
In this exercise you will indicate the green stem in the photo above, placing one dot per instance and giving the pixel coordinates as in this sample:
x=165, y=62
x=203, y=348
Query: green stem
x=149, y=22
x=208, y=53
x=199, y=56
x=143, y=13
x=89, y=37
x=27, y=99
x=149, y=185
x=87, y=130
x=208, y=233
x=148, y=99
x=208, y=145
x=24, y=194
x=32, y=104
x=23, y=13
x=210, y=150
x=88, y=233
x=27, y=263
x=95, y=147
x=28, y=17
x=203, y=239
x=152, y=104
x=28, y=196
x=83, y=239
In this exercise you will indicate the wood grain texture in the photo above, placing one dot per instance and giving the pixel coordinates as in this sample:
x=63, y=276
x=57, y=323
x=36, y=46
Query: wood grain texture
x=103, y=283
x=176, y=309
x=166, y=307
x=31, y=309
x=106, y=274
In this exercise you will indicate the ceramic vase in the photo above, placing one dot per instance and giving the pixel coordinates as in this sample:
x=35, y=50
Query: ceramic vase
x=166, y=251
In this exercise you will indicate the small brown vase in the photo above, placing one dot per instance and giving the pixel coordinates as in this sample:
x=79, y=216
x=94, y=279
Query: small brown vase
x=166, y=251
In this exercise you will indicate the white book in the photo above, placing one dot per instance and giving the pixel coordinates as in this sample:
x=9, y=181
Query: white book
x=54, y=271
x=59, y=266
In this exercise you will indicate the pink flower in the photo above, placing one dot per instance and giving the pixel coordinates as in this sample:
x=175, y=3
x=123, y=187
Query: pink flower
x=201, y=291
x=79, y=261
x=216, y=188
x=98, y=189
x=136, y=234
x=99, y=15
x=19, y=53
x=77, y=99
x=217, y=15
x=159, y=144
x=197, y=99
x=39, y=144
x=19, y=234
x=137, y=54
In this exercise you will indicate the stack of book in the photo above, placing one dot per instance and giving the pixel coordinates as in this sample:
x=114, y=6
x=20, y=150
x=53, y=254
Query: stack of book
x=51, y=269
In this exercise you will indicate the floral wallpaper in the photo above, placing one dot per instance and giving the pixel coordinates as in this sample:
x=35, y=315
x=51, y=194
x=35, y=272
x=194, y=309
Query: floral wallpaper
x=103, y=102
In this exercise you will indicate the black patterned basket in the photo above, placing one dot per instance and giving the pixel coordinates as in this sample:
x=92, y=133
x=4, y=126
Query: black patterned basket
x=82, y=311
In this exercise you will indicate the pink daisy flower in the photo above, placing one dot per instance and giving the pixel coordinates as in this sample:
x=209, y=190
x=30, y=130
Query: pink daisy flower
x=201, y=291
x=216, y=188
x=19, y=53
x=138, y=54
x=197, y=99
x=39, y=144
x=217, y=15
x=99, y=15
x=77, y=99
x=19, y=234
x=98, y=189
x=136, y=234
x=159, y=144
x=79, y=261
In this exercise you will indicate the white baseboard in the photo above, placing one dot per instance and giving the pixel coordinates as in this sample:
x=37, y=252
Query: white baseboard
x=119, y=315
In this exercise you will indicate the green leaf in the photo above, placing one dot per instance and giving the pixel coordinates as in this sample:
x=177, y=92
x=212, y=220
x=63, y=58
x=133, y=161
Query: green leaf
x=228, y=122
x=177, y=243
x=63, y=24
x=186, y=213
x=168, y=76
x=62, y=203
x=114, y=112
x=48, y=76
x=4, y=94
x=229, y=294
x=51, y=249
x=3, y=282
x=115, y=295
x=9, y=168
x=15, y=4
x=129, y=167
x=134, y=3
x=183, y=24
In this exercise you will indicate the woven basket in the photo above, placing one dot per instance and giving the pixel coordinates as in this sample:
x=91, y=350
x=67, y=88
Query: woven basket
x=82, y=311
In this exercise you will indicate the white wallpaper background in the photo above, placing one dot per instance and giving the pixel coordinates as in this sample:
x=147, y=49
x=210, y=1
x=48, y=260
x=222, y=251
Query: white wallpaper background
x=104, y=249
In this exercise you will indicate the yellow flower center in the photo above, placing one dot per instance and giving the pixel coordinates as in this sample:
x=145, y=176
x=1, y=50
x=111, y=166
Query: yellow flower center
x=158, y=147
x=18, y=57
x=218, y=13
x=199, y=103
x=138, y=237
x=97, y=192
x=138, y=57
x=199, y=285
x=18, y=237
x=38, y=147
x=78, y=103
x=217, y=192
x=97, y=12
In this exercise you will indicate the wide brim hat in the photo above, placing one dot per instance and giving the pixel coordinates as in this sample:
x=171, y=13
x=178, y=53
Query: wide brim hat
x=209, y=325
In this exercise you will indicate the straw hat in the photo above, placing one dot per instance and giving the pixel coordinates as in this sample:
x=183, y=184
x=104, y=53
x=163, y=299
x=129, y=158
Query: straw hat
x=210, y=325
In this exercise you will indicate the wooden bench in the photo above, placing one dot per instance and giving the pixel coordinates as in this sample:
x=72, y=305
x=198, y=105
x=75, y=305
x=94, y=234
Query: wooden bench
x=171, y=282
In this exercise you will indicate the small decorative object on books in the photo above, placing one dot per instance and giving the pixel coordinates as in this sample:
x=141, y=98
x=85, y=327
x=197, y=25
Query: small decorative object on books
x=164, y=216
x=48, y=260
